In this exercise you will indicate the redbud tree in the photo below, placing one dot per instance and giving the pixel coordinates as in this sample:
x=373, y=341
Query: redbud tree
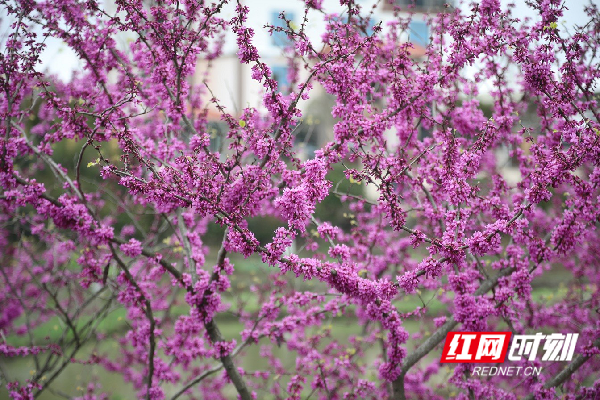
x=130, y=229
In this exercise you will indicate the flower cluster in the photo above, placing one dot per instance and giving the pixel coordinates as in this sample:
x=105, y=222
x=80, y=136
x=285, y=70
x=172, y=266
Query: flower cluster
x=144, y=224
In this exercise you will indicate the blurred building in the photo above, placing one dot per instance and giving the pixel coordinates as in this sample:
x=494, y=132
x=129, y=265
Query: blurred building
x=231, y=82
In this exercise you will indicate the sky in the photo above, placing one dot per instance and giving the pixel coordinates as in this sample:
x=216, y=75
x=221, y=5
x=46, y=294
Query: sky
x=59, y=59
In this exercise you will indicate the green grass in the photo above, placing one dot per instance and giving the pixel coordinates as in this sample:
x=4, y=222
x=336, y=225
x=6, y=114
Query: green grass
x=76, y=376
x=116, y=321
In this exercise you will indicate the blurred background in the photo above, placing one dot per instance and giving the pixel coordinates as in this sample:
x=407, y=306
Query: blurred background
x=231, y=82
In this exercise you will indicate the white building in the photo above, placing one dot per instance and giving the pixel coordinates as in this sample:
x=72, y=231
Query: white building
x=232, y=82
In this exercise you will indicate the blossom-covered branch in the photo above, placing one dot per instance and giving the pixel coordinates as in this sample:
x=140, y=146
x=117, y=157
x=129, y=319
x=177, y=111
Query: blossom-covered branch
x=452, y=182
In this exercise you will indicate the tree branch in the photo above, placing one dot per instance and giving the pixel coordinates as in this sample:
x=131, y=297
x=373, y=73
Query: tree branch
x=438, y=336
x=566, y=372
